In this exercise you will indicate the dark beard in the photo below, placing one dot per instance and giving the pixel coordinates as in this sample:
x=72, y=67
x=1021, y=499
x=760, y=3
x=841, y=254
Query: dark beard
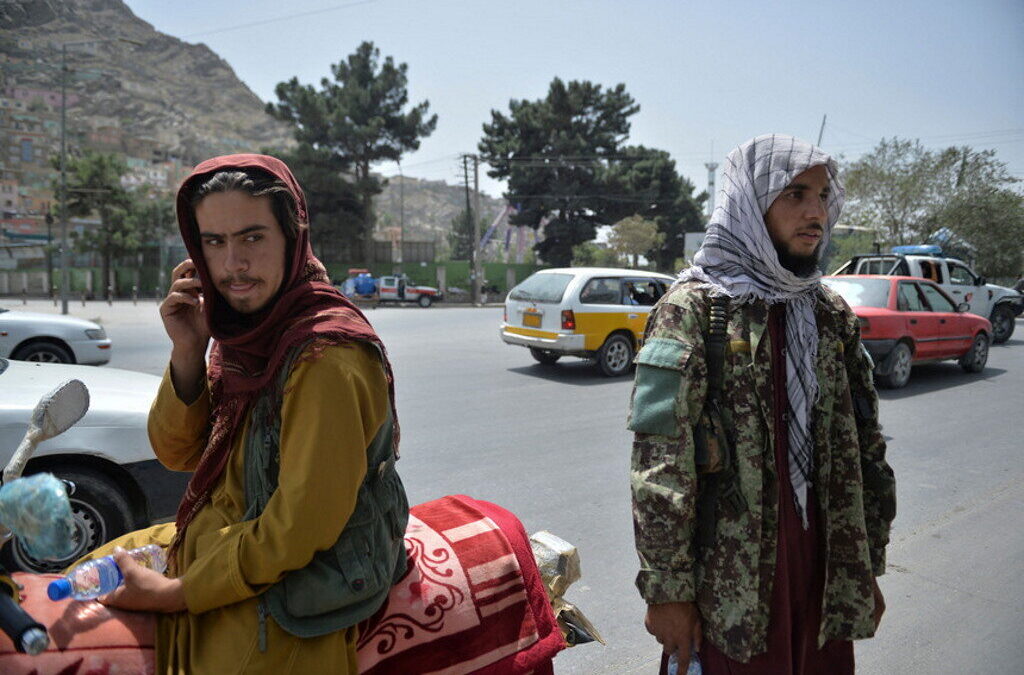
x=800, y=265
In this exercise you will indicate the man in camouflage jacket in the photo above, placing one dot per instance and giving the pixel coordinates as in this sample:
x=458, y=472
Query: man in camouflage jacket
x=788, y=579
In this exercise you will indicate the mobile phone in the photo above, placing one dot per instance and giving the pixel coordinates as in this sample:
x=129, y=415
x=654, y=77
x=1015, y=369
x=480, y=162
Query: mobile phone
x=190, y=274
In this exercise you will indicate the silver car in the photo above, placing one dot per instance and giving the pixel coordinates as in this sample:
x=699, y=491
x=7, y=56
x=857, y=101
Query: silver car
x=52, y=338
x=118, y=483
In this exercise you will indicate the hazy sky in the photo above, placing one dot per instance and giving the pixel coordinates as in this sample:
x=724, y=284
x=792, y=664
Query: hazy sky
x=717, y=72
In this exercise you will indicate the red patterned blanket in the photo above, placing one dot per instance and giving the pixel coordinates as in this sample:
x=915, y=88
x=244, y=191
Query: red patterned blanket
x=471, y=602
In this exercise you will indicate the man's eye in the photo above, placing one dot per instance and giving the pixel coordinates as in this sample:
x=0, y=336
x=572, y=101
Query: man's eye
x=253, y=238
x=212, y=242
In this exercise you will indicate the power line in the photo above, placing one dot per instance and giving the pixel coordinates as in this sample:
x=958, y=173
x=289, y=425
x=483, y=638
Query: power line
x=425, y=162
x=283, y=17
x=608, y=197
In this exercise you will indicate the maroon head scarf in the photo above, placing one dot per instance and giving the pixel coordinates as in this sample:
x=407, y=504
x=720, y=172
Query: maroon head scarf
x=249, y=350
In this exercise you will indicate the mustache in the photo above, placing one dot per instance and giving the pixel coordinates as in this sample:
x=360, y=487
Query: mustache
x=815, y=227
x=240, y=279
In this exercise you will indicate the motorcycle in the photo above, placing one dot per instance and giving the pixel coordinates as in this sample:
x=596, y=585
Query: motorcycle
x=479, y=596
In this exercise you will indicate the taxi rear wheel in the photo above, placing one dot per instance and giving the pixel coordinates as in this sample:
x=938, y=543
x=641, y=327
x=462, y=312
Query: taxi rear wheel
x=616, y=355
x=544, y=356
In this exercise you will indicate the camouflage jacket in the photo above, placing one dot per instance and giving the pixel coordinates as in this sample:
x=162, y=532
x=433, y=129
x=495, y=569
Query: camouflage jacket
x=853, y=485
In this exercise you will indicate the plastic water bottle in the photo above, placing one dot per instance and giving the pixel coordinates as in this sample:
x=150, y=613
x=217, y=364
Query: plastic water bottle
x=98, y=577
x=694, y=669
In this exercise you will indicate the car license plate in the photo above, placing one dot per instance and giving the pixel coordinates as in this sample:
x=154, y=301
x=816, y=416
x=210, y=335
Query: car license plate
x=531, y=320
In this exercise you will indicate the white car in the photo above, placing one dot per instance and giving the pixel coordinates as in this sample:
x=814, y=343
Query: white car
x=118, y=483
x=52, y=338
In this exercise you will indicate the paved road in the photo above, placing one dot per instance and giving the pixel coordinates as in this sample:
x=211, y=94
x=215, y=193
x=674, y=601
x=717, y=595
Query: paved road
x=549, y=443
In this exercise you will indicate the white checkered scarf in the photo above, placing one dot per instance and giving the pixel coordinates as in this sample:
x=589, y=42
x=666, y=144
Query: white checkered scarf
x=739, y=260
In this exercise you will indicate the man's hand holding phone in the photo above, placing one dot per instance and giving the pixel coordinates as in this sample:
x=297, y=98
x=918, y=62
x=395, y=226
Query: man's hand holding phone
x=182, y=314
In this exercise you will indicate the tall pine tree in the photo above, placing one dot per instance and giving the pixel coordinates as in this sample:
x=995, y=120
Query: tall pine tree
x=554, y=153
x=357, y=119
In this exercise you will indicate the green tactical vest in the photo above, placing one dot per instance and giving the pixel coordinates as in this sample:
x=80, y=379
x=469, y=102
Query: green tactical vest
x=348, y=582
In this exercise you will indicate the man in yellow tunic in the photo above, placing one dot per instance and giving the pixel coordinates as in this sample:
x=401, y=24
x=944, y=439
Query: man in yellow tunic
x=254, y=287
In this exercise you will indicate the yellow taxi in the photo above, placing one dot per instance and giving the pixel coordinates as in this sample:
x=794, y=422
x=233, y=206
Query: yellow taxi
x=594, y=313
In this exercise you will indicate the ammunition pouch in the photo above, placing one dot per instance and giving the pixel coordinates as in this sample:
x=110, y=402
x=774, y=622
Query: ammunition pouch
x=883, y=483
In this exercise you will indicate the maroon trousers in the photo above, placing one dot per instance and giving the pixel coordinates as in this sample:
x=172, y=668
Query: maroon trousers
x=799, y=581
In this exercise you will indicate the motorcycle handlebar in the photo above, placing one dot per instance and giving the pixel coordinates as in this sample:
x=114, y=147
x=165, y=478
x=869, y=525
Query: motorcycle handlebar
x=28, y=635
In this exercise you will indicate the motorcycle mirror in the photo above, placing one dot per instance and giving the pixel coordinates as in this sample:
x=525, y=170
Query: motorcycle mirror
x=60, y=409
x=54, y=414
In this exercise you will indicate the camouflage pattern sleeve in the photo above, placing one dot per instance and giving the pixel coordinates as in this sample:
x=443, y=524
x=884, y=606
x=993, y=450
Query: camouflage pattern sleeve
x=668, y=395
x=879, y=481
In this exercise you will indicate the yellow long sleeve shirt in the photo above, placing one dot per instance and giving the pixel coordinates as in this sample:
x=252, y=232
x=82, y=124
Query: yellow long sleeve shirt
x=333, y=408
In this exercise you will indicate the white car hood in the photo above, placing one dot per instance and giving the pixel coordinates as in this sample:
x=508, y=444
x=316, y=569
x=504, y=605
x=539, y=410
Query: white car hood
x=38, y=317
x=113, y=392
x=114, y=429
x=999, y=292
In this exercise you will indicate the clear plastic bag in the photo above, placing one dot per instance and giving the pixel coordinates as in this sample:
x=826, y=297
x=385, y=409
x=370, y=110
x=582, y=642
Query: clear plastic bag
x=37, y=510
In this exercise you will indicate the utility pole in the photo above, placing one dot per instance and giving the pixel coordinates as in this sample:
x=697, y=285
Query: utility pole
x=65, y=273
x=477, y=253
x=49, y=251
x=821, y=132
x=469, y=207
x=401, y=211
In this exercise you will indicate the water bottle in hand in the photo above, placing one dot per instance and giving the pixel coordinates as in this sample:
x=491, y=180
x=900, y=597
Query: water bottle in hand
x=694, y=669
x=98, y=577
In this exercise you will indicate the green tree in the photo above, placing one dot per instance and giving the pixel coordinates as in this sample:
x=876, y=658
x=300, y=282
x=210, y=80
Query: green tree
x=893, y=188
x=591, y=254
x=336, y=209
x=554, y=153
x=901, y=187
x=460, y=236
x=635, y=236
x=151, y=216
x=991, y=221
x=358, y=119
x=644, y=182
x=94, y=187
x=910, y=194
x=843, y=245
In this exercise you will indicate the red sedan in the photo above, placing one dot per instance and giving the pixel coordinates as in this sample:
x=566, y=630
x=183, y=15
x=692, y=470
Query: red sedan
x=906, y=321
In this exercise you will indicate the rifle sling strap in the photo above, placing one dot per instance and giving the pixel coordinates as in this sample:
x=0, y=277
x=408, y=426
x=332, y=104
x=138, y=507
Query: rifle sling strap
x=723, y=480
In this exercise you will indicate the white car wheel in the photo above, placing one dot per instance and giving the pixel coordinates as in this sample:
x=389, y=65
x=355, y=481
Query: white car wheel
x=43, y=352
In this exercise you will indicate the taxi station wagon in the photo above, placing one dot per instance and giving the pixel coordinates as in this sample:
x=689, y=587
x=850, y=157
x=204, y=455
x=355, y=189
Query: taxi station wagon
x=593, y=313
